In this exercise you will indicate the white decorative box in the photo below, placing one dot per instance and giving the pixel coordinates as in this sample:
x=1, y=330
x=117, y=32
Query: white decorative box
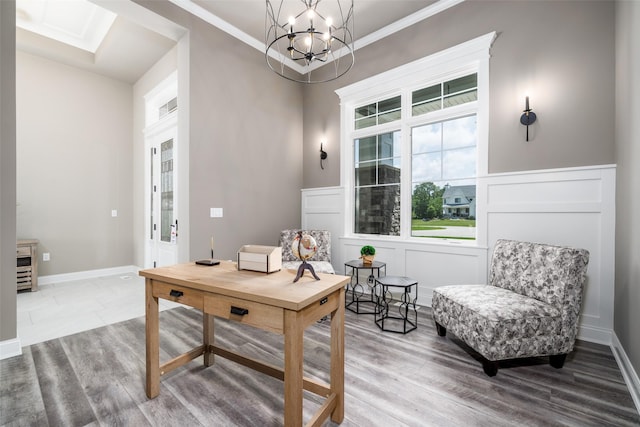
x=266, y=259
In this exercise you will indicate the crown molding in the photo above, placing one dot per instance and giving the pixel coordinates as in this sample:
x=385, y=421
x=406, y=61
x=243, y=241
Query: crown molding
x=205, y=15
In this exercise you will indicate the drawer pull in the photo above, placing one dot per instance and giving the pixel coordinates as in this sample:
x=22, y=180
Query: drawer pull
x=238, y=310
x=176, y=294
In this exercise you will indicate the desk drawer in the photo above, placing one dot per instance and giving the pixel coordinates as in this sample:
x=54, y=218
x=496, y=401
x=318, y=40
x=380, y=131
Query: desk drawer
x=261, y=316
x=186, y=296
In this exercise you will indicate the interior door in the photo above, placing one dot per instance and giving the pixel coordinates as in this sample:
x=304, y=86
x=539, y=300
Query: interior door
x=163, y=221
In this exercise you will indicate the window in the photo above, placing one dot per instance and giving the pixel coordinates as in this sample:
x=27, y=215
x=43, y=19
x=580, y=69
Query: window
x=418, y=142
x=378, y=113
x=443, y=161
x=446, y=94
x=377, y=184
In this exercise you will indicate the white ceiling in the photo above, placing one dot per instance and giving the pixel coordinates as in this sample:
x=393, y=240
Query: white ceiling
x=85, y=35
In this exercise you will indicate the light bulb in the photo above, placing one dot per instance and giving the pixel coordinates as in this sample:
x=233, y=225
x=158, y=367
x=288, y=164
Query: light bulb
x=310, y=14
x=308, y=40
x=329, y=22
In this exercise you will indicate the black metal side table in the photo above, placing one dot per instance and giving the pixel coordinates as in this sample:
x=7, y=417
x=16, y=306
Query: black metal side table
x=406, y=319
x=360, y=297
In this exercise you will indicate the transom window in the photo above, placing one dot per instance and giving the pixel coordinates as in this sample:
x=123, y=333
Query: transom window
x=416, y=150
x=446, y=94
x=377, y=113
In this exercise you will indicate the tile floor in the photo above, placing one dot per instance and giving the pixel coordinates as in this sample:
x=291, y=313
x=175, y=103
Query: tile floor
x=65, y=308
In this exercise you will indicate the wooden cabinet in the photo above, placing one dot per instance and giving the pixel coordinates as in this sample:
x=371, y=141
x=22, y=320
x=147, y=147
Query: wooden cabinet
x=27, y=264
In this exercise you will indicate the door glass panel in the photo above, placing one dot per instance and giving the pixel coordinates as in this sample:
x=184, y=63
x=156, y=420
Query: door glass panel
x=166, y=190
x=151, y=195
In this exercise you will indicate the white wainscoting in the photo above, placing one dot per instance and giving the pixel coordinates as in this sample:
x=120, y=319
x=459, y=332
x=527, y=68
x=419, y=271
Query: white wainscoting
x=323, y=209
x=573, y=206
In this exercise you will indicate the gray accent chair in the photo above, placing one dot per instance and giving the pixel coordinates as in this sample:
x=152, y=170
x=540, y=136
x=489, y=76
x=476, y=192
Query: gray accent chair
x=530, y=307
x=321, y=261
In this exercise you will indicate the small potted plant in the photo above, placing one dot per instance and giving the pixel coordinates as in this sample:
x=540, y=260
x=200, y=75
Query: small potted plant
x=367, y=254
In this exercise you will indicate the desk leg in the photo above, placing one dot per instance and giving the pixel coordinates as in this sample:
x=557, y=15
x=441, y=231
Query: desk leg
x=152, y=341
x=293, y=363
x=208, y=338
x=337, y=359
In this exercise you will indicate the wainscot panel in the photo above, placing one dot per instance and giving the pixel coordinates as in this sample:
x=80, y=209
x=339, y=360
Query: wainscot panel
x=572, y=206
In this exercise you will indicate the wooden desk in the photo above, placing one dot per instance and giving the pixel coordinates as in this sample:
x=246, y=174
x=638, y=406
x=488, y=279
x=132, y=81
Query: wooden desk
x=272, y=302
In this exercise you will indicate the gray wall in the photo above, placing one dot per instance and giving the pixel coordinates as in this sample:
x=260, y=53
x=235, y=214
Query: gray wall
x=159, y=72
x=562, y=52
x=74, y=165
x=627, y=297
x=7, y=171
x=245, y=141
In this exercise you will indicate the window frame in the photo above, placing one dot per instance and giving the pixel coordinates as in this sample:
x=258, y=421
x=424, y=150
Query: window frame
x=466, y=58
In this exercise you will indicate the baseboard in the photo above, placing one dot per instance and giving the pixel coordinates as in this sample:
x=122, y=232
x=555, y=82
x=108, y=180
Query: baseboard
x=594, y=334
x=628, y=372
x=89, y=274
x=10, y=348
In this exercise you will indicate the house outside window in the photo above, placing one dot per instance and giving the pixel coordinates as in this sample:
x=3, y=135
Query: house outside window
x=415, y=133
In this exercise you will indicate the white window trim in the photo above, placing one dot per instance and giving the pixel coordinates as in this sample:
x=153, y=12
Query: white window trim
x=468, y=57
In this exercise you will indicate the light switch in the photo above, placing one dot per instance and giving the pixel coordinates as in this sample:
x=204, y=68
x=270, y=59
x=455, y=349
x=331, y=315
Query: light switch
x=215, y=212
x=114, y=213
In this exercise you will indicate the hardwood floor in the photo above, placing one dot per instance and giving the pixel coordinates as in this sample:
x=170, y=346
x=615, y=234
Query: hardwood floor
x=419, y=379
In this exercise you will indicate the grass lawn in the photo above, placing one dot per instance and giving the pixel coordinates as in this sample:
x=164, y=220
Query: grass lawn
x=439, y=224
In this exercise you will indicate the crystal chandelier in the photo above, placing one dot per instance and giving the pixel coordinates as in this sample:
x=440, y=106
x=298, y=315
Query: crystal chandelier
x=303, y=35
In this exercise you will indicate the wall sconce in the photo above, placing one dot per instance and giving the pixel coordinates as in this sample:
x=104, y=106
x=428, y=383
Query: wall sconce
x=528, y=117
x=323, y=156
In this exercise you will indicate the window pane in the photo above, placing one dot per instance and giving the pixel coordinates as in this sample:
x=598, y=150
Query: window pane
x=426, y=94
x=443, y=172
x=389, y=104
x=384, y=111
x=460, y=84
x=461, y=98
x=377, y=210
x=366, y=173
x=460, y=163
x=166, y=190
x=389, y=145
x=427, y=138
x=426, y=107
x=365, y=123
x=365, y=149
x=366, y=111
x=389, y=171
x=459, y=133
x=389, y=117
x=426, y=167
x=377, y=187
x=454, y=92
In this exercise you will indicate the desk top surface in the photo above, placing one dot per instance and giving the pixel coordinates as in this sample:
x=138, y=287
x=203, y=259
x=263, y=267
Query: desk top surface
x=275, y=289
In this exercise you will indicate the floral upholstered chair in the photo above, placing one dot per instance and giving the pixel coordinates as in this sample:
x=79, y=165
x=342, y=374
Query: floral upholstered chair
x=321, y=261
x=529, y=308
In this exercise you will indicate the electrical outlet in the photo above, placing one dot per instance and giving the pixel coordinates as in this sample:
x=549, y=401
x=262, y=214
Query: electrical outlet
x=46, y=256
x=114, y=213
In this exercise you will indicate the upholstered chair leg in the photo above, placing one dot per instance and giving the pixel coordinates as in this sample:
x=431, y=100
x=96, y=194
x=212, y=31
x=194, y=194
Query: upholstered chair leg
x=442, y=331
x=557, y=360
x=490, y=367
